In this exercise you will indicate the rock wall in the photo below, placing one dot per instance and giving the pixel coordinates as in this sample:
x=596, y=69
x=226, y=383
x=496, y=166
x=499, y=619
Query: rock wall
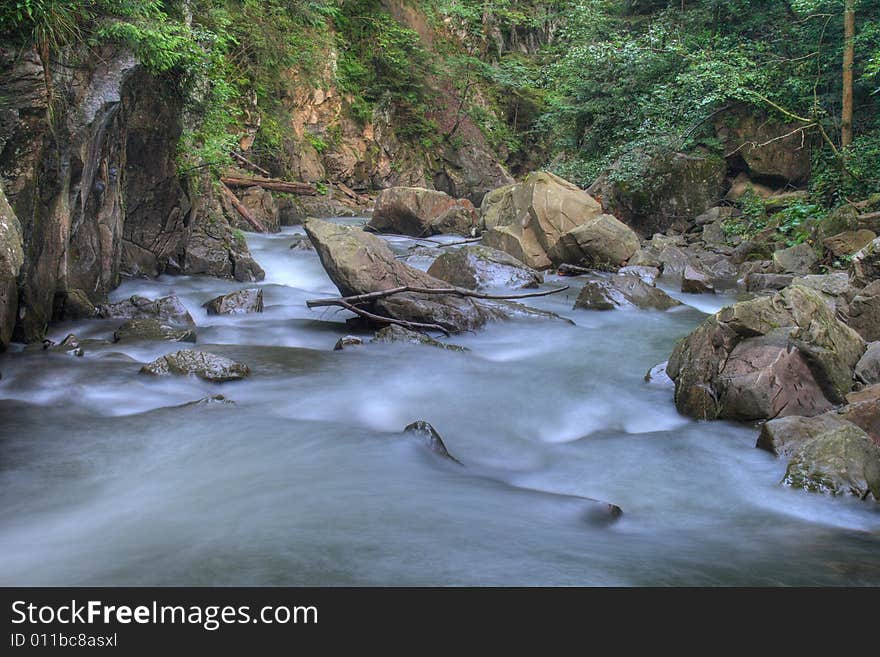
x=87, y=161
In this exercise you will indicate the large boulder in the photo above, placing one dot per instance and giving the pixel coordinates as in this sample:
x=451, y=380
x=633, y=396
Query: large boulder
x=769, y=149
x=771, y=356
x=848, y=242
x=865, y=265
x=210, y=367
x=11, y=260
x=421, y=212
x=476, y=266
x=862, y=313
x=623, y=291
x=546, y=220
x=359, y=263
x=675, y=188
x=235, y=303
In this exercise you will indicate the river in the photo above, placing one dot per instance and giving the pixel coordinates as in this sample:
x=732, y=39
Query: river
x=308, y=480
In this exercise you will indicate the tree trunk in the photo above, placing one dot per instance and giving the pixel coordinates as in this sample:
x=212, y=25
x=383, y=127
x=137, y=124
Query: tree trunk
x=849, y=33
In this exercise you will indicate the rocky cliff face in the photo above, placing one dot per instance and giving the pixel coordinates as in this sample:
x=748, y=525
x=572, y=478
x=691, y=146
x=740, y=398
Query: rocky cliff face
x=87, y=161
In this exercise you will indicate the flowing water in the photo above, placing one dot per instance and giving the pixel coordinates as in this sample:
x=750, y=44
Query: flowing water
x=308, y=480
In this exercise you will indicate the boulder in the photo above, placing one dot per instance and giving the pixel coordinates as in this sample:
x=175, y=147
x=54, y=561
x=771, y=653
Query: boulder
x=421, y=212
x=848, y=242
x=136, y=330
x=758, y=282
x=862, y=313
x=75, y=305
x=546, y=220
x=863, y=410
x=841, y=461
x=696, y=281
x=743, y=185
x=11, y=260
x=771, y=356
x=168, y=310
x=261, y=205
x=865, y=265
x=784, y=436
x=394, y=333
x=476, y=267
x=868, y=368
x=360, y=263
x=623, y=291
x=645, y=272
x=798, y=259
x=210, y=367
x=767, y=147
x=235, y=303
x=675, y=188
x=431, y=439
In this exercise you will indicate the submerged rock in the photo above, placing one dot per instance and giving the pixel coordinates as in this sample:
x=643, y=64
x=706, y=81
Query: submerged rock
x=210, y=367
x=546, y=220
x=360, y=263
x=475, y=267
x=621, y=292
x=213, y=400
x=771, y=356
x=422, y=212
x=152, y=329
x=431, y=439
x=347, y=341
x=395, y=333
x=69, y=345
x=234, y=303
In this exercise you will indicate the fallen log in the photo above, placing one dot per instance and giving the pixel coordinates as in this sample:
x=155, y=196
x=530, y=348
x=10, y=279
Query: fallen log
x=272, y=184
x=350, y=193
x=241, y=158
x=242, y=210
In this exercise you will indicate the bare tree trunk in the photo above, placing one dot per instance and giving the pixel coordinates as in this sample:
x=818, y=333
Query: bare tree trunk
x=849, y=33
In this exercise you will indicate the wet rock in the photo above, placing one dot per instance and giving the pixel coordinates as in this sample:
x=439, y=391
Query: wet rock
x=11, y=261
x=799, y=259
x=69, y=345
x=657, y=375
x=758, y=282
x=784, y=436
x=696, y=281
x=347, y=341
x=476, y=267
x=421, y=212
x=395, y=333
x=76, y=305
x=149, y=329
x=771, y=356
x=621, y=292
x=862, y=313
x=848, y=242
x=648, y=274
x=841, y=461
x=431, y=439
x=360, y=263
x=546, y=220
x=168, y=310
x=210, y=367
x=302, y=243
x=868, y=368
x=236, y=303
x=213, y=400
x=865, y=265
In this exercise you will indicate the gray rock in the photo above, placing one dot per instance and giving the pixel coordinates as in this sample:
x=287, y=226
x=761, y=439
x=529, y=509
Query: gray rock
x=696, y=281
x=621, y=292
x=647, y=273
x=868, y=368
x=758, y=282
x=210, y=367
x=798, y=259
x=421, y=212
x=862, y=313
x=394, y=333
x=136, y=330
x=865, y=265
x=347, y=341
x=235, y=303
x=431, y=439
x=168, y=310
x=475, y=267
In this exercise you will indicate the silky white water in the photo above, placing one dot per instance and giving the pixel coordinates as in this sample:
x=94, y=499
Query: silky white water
x=308, y=480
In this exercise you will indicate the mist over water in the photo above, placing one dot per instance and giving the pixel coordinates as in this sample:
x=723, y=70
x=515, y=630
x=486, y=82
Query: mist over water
x=308, y=480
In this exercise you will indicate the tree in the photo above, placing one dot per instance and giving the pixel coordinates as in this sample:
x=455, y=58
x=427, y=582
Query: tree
x=849, y=34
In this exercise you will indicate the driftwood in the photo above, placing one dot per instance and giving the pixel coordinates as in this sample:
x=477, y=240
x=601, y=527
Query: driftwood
x=351, y=303
x=241, y=158
x=273, y=184
x=439, y=244
x=350, y=193
x=242, y=210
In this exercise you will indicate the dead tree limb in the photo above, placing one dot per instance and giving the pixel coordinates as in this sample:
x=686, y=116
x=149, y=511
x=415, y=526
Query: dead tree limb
x=242, y=210
x=241, y=158
x=440, y=244
x=274, y=184
x=457, y=291
x=417, y=326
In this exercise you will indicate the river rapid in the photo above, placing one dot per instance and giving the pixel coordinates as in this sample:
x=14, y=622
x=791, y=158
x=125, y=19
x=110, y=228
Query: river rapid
x=307, y=479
